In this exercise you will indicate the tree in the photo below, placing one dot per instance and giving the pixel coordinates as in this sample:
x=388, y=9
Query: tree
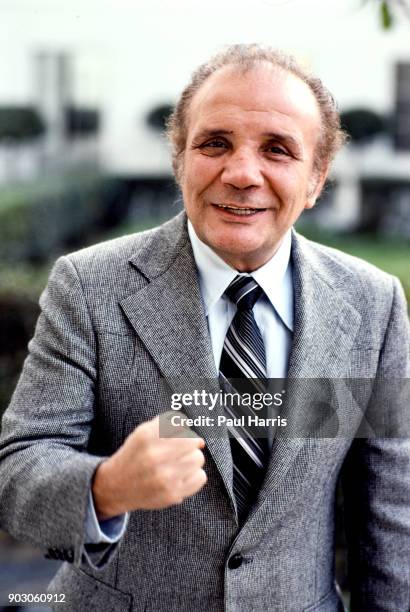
x=363, y=125
x=388, y=10
x=20, y=124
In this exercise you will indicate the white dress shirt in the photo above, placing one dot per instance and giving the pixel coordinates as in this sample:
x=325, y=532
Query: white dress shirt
x=273, y=311
x=274, y=317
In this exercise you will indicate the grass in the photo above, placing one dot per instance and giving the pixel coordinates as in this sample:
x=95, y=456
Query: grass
x=27, y=280
x=23, y=280
x=19, y=194
x=389, y=254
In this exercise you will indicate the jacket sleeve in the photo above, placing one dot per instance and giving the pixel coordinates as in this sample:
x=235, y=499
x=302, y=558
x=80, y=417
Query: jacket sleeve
x=45, y=470
x=376, y=488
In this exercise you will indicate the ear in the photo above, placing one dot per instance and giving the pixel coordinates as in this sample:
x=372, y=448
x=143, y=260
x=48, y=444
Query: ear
x=178, y=168
x=317, y=181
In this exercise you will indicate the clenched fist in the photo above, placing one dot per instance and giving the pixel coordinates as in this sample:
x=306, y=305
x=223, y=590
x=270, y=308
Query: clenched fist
x=148, y=472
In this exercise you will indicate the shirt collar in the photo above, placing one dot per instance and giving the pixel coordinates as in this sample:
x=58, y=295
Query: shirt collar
x=275, y=276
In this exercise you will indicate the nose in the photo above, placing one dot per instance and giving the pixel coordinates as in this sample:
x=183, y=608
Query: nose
x=242, y=170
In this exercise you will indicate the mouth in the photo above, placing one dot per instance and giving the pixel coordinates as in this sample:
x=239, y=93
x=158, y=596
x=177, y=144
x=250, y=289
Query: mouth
x=241, y=211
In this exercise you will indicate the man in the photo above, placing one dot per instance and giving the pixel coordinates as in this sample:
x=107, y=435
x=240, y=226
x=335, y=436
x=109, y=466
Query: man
x=147, y=522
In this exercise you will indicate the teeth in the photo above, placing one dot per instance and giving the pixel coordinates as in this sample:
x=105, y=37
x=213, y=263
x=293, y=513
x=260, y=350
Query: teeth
x=239, y=211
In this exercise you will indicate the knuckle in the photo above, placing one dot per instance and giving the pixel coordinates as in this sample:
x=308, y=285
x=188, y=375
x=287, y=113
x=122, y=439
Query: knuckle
x=159, y=476
x=152, y=456
x=142, y=433
x=200, y=457
x=198, y=442
x=176, y=498
x=172, y=492
x=165, y=482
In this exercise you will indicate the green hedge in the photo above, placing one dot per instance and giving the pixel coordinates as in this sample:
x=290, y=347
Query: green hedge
x=20, y=123
x=39, y=220
x=389, y=254
x=18, y=314
x=81, y=121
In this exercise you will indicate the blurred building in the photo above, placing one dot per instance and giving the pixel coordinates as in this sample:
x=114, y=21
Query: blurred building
x=100, y=75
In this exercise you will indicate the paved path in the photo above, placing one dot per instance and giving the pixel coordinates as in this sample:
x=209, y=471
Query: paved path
x=23, y=569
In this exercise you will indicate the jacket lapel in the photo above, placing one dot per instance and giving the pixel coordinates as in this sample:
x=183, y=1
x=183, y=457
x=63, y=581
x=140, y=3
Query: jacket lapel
x=324, y=332
x=325, y=323
x=167, y=314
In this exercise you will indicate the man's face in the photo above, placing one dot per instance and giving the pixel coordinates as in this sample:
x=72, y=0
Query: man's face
x=248, y=164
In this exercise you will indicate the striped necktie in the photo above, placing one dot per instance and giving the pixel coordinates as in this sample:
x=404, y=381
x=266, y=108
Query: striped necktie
x=243, y=357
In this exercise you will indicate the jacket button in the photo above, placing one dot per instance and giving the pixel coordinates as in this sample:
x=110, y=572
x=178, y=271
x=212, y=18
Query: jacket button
x=235, y=561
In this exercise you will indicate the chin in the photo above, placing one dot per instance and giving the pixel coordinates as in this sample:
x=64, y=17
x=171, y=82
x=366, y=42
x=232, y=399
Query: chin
x=238, y=251
x=242, y=244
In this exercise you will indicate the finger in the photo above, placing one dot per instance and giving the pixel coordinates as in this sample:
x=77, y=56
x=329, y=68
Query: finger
x=175, y=451
x=193, y=484
x=190, y=462
x=185, y=446
x=175, y=434
x=166, y=427
x=149, y=432
x=174, y=424
x=183, y=469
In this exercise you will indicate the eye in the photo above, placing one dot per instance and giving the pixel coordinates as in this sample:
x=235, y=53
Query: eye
x=276, y=150
x=213, y=148
x=214, y=144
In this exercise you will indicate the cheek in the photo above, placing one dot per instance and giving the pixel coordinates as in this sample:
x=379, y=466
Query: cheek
x=292, y=189
x=281, y=180
x=194, y=183
x=203, y=170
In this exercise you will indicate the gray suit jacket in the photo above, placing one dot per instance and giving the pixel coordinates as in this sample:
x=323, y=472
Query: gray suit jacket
x=117, y=318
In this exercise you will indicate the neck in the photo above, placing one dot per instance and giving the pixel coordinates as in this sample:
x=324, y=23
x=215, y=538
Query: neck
x=248, y=263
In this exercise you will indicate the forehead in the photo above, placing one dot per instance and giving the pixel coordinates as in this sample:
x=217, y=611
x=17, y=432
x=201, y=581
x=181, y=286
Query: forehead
x=264, y=94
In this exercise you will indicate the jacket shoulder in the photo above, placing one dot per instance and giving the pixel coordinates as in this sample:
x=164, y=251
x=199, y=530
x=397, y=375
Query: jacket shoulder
x=348, y=271
x=111, y=258
x=110, y=270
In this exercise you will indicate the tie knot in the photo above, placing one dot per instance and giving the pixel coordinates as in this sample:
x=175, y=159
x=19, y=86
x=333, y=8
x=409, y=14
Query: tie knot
x=244, y=291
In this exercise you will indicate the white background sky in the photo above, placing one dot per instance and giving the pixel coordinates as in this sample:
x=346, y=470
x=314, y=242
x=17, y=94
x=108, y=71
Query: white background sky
x=131, y=54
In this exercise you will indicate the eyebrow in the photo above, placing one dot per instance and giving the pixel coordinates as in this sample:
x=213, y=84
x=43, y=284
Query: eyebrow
x=285, y=139
x=211, y=134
